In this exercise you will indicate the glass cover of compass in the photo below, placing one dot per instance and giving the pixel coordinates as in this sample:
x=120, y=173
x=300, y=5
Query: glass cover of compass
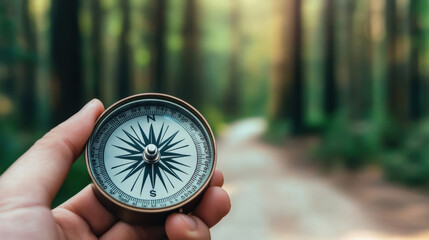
x=150, y=153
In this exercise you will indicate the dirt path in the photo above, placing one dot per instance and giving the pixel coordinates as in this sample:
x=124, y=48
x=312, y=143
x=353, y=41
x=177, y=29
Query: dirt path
x=272, y=198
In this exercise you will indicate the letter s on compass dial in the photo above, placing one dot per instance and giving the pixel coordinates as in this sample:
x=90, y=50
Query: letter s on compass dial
x=150, y=155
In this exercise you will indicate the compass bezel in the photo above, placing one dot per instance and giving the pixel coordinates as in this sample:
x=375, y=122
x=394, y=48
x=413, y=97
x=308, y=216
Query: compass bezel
x=155, y=215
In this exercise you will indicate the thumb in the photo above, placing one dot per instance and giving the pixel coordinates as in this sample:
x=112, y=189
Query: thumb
x=39, y=173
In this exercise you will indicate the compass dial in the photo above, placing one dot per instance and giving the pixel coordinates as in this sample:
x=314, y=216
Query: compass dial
x=150, y=153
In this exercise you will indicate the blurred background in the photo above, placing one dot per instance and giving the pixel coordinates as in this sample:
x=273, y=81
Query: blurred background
x=320, y=108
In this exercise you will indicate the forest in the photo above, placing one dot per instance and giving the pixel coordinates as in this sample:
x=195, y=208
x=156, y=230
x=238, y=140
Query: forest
x=353, y=74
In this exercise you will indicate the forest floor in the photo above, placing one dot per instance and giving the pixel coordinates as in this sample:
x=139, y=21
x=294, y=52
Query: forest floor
x=277, y=193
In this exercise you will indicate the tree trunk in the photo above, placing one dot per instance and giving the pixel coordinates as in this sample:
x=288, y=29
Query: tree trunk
x=287, y=100
x=97, y=47
x=343, y=55
x=296, y=75
x=415, y=81
x=189, y=87
x=66, y=59
x=377, y=29
x=360, y=91
x=330, y=103
x=397, y=58
x=123, y=75
x=28, y=92
x=159, y=24
x=281, y=62
x=232, y=98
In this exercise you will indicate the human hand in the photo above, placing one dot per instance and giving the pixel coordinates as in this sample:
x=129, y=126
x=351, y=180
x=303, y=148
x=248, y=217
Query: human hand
x=29, y=185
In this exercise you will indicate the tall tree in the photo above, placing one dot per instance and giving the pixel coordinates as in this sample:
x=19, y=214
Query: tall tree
x=281, y=59
x=97, y=46
x=7, y=46
x=296, y=76
x=377, y=30
x=232, y=98
x=360, y=80
x=159, y=31
x=286, y=102
x=343, y=56
x=28, y=93
x=190, y=87
x=423, y=24
x=123, y=75
x=66, y=59
x=330, y=102
x=397, y=42
x=416, y=32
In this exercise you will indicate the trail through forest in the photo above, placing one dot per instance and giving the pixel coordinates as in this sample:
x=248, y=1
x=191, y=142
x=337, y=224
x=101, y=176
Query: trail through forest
x=277, y=194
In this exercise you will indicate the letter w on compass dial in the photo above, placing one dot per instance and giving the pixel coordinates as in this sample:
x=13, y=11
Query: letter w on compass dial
x=134, y=164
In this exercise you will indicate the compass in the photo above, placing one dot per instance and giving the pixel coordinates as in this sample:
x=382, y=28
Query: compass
x=150, y=155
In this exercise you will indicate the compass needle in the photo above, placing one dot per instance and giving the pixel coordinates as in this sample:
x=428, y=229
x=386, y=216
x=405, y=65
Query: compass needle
x=151, y=134
x=138, y=138
x=120, y=165
x=146, y=139
x=179, y=148
x=152, y=175
x=170, y=171
x=137, y=178
x=145, y=176
x=168, y=140
x=127, y=149
x=174, y=161
x=166, y=148
x=169, y=180
x=171, y=167
x=159, y=135
x=158, y=173
x=164, y=133
x=130, y=157
x=175, y=155
x=128, y=168
x=129, y=144
x=150, y=155
x=136, y=144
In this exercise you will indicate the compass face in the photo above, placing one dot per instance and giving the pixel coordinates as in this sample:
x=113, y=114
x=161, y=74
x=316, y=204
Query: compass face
x=151, y=153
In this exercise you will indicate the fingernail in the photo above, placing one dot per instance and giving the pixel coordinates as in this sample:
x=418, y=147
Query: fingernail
x=190, y=221
x=89, y=104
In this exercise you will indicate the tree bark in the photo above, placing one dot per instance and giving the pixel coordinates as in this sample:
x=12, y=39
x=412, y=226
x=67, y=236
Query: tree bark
x=123, y=75
x=331, y=98
x=397, y=58
x=28, y=93
x=97, y=47
x=66, y=59
x=296, y=76
x=232, y=98
x=190, y=87
x=159, y=24
x=415, y=81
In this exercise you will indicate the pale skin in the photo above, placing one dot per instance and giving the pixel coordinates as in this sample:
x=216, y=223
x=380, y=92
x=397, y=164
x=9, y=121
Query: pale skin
x=29, y=185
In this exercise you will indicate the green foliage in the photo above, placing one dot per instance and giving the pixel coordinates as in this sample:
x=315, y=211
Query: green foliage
x=402, y=154
x=349, y=144
x=214, y=117
x=276, y=131
x=409, y=162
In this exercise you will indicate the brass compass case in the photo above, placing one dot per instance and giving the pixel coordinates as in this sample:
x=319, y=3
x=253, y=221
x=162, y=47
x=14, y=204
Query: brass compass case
x=150, y=155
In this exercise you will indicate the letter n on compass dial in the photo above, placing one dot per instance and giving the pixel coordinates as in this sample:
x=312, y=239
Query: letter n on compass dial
x=150, y=157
